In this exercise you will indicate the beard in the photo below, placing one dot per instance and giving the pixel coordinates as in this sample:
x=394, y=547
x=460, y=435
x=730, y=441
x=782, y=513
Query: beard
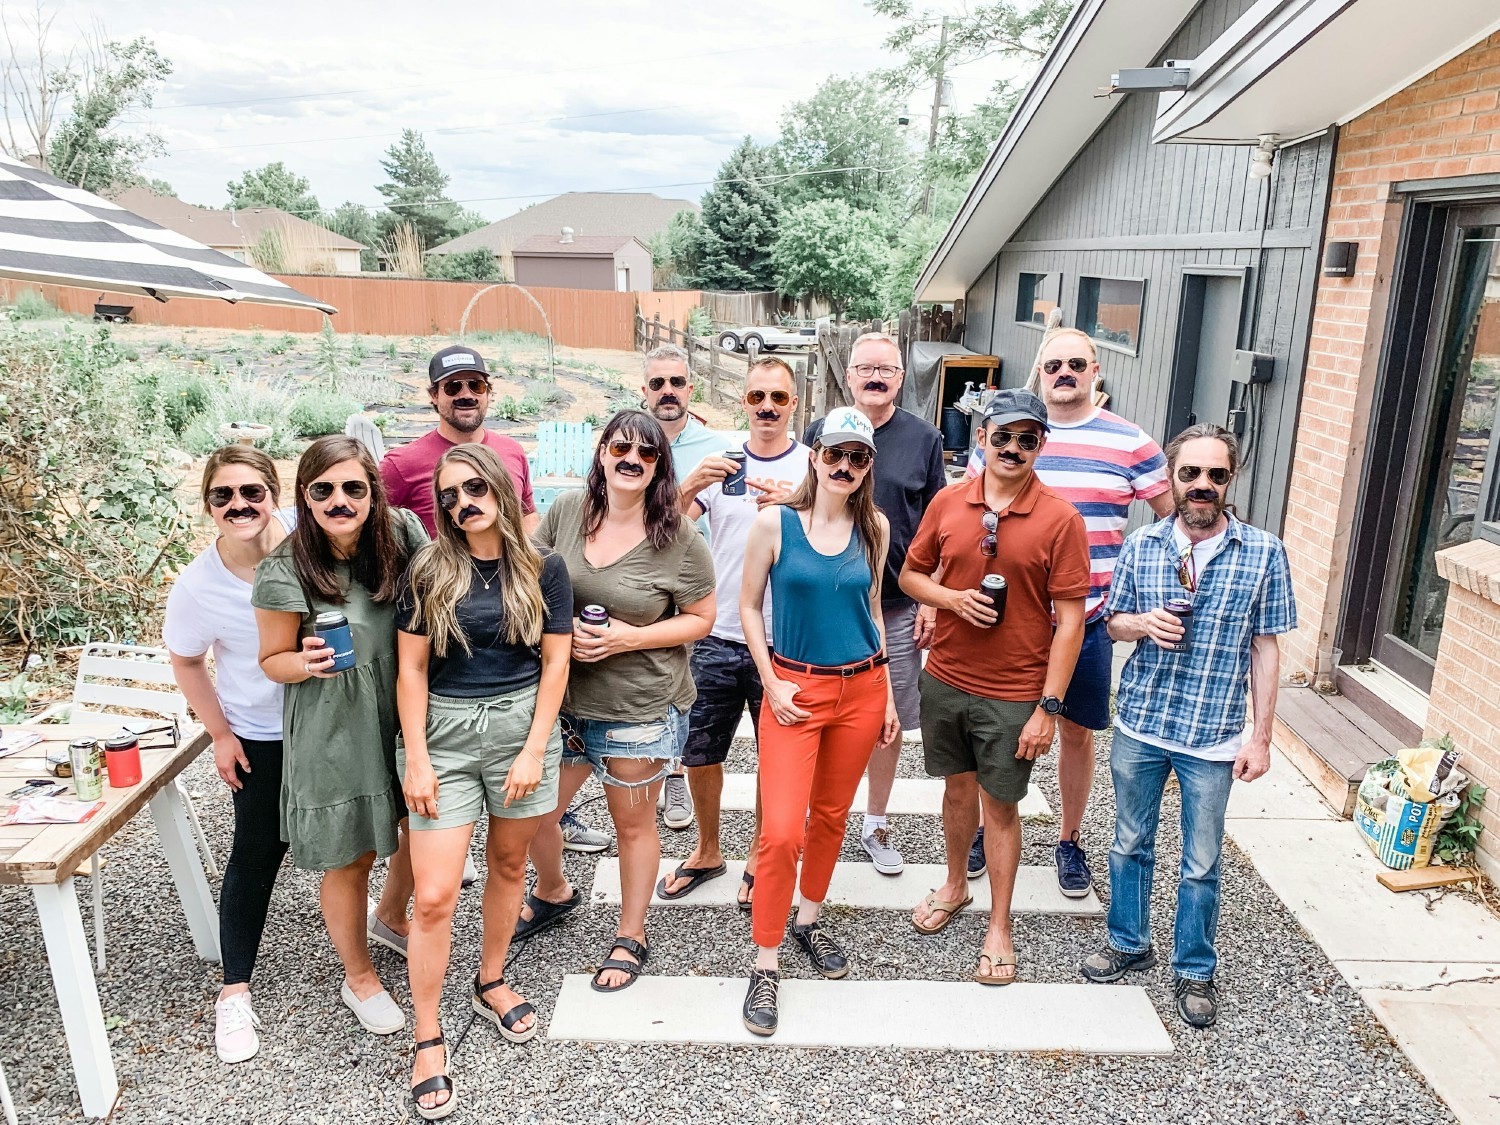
x=471, y=419
x=1197, y=517
x=668, y=411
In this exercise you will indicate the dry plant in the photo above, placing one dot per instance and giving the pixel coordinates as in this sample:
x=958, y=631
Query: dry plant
x=403, y=248
x=289, y=246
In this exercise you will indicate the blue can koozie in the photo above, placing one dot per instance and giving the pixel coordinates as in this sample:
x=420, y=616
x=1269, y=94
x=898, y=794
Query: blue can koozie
x=1182, y=609
x=333, y=627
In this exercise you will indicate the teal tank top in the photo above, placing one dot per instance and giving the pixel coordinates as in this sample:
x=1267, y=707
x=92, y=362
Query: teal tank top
x=820, y=604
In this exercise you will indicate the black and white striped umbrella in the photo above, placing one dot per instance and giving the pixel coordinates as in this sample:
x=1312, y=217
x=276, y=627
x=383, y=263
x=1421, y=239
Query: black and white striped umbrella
x=56, y=234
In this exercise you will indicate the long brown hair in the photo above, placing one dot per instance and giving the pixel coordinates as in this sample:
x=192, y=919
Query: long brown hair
x=248, y=456
x=441, y=571
x=866, y=517
x=661, y=515
x=379, y=557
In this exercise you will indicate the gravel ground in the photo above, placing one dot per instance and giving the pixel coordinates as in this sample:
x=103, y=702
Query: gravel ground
x=1293, y=1042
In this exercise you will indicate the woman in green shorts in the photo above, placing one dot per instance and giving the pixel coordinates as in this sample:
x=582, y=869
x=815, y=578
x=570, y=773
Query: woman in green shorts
x=340, y=797
x=485, y=625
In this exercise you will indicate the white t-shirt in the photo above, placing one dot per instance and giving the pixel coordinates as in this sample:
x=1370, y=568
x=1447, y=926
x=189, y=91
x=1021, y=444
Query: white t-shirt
x=209, y=608
x=730, y=519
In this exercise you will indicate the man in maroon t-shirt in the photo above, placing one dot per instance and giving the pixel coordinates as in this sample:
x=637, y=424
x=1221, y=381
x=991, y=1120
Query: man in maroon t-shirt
x=459, y=387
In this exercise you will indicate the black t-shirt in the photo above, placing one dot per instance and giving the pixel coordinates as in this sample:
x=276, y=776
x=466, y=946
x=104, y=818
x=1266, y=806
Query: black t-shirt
x=494, y=666
x=908, y=474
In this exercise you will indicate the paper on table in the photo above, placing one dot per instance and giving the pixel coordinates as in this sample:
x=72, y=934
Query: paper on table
x=52, y=810
x=14, y=741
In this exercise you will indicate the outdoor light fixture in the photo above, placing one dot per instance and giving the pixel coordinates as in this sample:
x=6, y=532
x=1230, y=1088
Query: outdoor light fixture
x=1339, y=259
x=1260, y=159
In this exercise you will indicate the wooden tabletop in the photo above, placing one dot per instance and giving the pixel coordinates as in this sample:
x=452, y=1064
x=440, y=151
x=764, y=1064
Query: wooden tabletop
x=49, y=853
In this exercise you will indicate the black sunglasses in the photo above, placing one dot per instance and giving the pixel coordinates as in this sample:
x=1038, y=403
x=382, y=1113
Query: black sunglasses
x=221, y=495
x=1187, y=474
x=1076, y=363
x=474, y=486
x=857, y=458
x=1028, y=442
x=455, y=387
x=989, y=546
x=677, y=381
x=756, y=397
x=619, y=447
x=321, y=490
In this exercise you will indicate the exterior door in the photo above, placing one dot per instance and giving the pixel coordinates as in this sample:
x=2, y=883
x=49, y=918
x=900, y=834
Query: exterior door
x=1449, y=443
x=1208, y=332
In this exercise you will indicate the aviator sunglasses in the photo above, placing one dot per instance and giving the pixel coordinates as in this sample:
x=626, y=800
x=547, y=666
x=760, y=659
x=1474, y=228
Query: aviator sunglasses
x=321, y=490
x=1219, y=475
x=222, y=495
x=455, y=387
x=1027, y=442
x=1077, y=364
x=619, y=447
x=756, y=397
x=474, y=486
x=677, y=381
x=989, y=546
x=857, y=458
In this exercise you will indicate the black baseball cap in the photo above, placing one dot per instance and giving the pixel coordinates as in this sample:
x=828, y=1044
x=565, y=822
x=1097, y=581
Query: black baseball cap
x=454, y=360
x=1016, y=405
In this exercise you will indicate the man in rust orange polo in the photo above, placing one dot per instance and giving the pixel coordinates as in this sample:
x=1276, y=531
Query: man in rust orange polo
x=998, y=669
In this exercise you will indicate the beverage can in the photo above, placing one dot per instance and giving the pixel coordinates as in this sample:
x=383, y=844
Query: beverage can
x=1182, y=609
x=333, y=627
x=734, y=483
x=88, y=769
x=994, y=587
x=595, y=615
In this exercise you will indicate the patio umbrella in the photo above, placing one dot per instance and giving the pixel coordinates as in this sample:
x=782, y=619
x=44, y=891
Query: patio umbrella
x=56, y=234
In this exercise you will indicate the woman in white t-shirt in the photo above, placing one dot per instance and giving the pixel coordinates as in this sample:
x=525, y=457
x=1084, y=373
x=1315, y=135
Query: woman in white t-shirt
x=209, y=608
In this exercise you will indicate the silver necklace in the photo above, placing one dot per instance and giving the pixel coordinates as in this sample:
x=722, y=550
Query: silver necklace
x=480, y=574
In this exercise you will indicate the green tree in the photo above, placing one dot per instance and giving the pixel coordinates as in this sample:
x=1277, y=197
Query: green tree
x=274, y=185
x=354, y=221
x=830, y=250
x=157, y=186
x=1011, y=29
x=677, y=251
x=845, y=142
x=740, y=217
x=88, y=148
x=416, y=193
x=478, y=264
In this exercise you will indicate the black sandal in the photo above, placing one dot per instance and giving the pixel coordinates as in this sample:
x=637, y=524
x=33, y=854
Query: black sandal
x=696, y=877
x=544, y=914
x=507, y=1021
x=748, y=904
x=437, y=1084
x=632, y=968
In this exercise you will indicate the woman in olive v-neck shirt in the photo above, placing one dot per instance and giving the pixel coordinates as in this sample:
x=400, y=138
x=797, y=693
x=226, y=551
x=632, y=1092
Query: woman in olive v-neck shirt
x=629, y=688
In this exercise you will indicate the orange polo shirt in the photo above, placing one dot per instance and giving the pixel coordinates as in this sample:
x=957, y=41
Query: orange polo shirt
x=1043, y=552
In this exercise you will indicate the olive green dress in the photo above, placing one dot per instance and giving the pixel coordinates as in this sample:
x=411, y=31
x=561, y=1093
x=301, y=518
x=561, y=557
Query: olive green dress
x=340, y=796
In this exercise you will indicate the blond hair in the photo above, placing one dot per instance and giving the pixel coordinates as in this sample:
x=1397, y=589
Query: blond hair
x=1054, y=333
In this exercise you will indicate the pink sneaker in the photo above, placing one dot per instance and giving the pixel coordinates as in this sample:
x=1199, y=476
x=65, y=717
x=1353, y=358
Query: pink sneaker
x=234, y=1028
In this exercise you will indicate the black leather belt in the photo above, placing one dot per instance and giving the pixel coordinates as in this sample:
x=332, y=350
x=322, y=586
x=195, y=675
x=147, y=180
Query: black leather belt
x=844, y=670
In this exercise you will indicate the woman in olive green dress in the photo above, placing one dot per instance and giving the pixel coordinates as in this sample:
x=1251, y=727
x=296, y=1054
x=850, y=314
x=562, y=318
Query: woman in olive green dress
x=341, y=797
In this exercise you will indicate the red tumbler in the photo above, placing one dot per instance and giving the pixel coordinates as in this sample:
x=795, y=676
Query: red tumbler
x=122, y=756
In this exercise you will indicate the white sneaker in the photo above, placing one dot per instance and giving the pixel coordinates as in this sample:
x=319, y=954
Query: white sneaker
x=677, y=803
x=882, y=852
x=471, y=872
x=235, y=1024
x=379, y=1015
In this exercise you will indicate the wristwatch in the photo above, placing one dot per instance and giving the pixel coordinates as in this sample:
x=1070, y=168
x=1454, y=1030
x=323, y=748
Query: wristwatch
x=1050, y=704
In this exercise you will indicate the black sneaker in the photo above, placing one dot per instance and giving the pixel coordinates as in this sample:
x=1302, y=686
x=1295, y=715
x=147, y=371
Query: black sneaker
x=976, y=855
x=1074, y=878
x=1197, y=1001
x=1110, y=964
x=826, y=956
x=759, y=1012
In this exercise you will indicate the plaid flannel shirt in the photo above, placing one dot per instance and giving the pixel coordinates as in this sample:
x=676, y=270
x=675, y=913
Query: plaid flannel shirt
x=1198, y=698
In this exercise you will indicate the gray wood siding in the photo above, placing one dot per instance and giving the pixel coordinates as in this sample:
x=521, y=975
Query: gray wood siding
x=1128, y=208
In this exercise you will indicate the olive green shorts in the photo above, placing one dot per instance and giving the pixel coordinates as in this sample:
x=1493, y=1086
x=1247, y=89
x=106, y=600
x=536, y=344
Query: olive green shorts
x=472, y=744
x=964, y=733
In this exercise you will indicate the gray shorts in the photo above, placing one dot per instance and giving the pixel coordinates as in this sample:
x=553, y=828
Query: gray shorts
x=472, y=744
x=963, y=733
x=906, y=662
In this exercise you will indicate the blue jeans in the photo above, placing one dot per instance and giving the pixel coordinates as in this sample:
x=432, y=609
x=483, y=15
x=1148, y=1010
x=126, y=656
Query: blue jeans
x=1140, y=774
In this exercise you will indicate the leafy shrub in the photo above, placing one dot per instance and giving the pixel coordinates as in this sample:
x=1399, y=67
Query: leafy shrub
x=31, y=305
x=246, y=400
x=479, y=264
x=90, y=520
x=171, y=394
x=321, y=412
x=13, y=699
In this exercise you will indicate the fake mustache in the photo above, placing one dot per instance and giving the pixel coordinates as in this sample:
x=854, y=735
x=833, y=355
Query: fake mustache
x=629, y=469
x=466, y=404
x=841, y=474
x=1065, y=381
x=669, y=400
x=877, y=385
x=236, y=513
x=1010, y=458
x=768, y=415
x=468, y=513
x=334, y=513
x=1203, y=495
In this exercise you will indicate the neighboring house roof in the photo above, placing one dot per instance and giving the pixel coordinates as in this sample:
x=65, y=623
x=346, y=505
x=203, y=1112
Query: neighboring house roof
x=582, y=246
x=636, y=213
x=242, y=227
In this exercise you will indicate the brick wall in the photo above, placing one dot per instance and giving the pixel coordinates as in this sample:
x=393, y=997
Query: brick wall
x=1446, y=124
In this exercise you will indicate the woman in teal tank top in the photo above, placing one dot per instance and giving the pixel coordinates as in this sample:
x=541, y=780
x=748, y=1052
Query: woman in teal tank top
x=828, y=698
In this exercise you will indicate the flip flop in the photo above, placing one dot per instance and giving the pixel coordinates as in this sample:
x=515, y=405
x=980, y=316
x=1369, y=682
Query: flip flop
x=996, y=961
x=748, y=904
x=695, y=877
x=545, y=914
x=950, y=911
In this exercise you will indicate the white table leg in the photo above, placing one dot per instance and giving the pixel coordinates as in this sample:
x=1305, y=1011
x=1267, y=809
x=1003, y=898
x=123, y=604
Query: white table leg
x=176, y=836
x=77, y=996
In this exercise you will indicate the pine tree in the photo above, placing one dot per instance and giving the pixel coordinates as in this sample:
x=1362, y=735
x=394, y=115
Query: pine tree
x=740, y=220
x=416, y=192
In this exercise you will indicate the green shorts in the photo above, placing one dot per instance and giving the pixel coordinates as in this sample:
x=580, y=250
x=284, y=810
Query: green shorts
x=963, y=733
x=472, y=744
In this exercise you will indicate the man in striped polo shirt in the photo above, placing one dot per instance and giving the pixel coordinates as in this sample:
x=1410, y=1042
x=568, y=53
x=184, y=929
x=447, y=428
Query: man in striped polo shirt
x=1099, y=462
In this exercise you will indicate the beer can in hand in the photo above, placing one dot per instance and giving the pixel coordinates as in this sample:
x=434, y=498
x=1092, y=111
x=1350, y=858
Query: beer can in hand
x=1182, y=609
x=333, y=627
x=993, y=587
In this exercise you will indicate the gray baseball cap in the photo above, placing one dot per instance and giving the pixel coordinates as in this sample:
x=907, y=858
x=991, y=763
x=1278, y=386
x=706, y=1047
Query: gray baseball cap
x=1016, y=405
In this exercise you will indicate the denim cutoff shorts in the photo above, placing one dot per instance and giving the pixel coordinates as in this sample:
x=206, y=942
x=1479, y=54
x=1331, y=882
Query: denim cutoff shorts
x=596, y=741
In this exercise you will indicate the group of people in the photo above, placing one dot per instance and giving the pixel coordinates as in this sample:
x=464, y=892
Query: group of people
x=407, y=647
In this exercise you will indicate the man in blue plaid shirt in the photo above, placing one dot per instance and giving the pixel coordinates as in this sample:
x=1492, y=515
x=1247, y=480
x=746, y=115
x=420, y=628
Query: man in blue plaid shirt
x=1185, y=711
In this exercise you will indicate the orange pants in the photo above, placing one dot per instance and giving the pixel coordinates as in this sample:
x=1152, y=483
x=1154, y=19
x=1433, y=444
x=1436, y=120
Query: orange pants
x=808, y=775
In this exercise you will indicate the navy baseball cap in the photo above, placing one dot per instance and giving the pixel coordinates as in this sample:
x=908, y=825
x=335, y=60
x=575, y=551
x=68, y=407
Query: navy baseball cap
x=454, y=360
x=1016, y=405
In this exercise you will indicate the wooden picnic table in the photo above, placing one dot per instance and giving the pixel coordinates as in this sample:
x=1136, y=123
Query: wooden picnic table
x=45, y=857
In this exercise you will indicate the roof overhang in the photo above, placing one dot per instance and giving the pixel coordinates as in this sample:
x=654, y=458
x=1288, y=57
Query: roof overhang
x=1294, y=67
x=1056, y=116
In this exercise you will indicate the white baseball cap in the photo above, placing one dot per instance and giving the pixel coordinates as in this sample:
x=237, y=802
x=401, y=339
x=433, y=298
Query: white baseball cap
x=844, y=423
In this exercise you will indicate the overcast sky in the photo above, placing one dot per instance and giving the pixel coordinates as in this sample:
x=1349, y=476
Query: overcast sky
x=518, y=101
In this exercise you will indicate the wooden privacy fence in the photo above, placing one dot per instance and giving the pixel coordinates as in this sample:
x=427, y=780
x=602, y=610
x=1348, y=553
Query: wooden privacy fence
x=392, y=306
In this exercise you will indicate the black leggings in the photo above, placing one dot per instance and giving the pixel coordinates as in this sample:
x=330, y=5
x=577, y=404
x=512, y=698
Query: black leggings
x=253, y=861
